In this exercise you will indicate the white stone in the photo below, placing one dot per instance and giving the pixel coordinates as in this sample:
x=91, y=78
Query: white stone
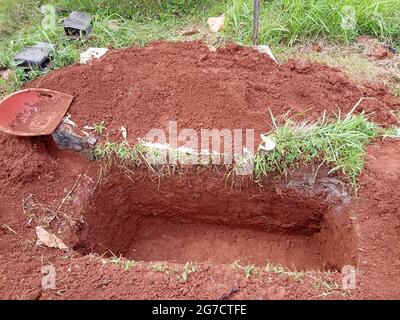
x=266, y=50
x=92, y=53
x=216, y=24
x=124, y=133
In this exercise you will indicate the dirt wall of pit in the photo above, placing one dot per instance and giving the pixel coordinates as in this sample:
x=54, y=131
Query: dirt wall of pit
x=307, y=212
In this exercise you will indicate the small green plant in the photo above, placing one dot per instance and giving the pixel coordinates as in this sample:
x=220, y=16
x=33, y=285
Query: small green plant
x=99, y=127
x=391, y=132
x=250, y=270
x=122, y=151
x=296, y=275
x=236, y=264
x=277, y=269
x=121, y=262
x=160, y=267
x=396, y=90
x=116, y=260
x=280, y=270
x=129, y=264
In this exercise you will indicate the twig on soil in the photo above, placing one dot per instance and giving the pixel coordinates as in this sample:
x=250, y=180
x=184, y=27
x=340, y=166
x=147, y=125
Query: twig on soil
x=70, y=192
x=146, y=161
x=29, y=207
x=7, y=227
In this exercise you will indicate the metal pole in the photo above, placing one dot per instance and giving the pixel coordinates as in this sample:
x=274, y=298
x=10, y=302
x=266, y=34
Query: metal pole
x=256, y=18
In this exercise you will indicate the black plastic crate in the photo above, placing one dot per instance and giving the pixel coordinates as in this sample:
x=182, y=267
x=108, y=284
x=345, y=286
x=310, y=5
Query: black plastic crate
x=37, y=56
x=78, y=24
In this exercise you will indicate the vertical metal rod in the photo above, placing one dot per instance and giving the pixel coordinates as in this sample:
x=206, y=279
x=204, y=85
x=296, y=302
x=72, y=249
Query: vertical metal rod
x=256, y=18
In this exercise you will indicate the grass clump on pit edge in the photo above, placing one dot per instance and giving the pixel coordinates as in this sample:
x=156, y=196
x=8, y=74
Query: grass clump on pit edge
x=338, y=144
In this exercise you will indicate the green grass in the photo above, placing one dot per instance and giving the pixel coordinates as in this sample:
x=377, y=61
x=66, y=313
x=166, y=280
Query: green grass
x=396, y=90
x=289, y=21
x=338, y=144
x=99, y=127
x=139, y=9
x=121, y=152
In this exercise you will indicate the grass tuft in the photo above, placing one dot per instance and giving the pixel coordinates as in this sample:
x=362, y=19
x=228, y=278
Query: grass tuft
x=338, y=144
x=99, y=127
x=290, y=21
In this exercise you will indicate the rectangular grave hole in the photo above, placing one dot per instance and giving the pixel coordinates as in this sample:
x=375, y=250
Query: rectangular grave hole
x=197, y=218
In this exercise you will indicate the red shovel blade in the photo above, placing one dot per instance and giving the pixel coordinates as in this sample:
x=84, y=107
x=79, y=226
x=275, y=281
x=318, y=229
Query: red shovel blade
x=33, y=112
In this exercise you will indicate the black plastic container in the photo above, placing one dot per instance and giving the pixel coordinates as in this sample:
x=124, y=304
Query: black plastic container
x=36, y=56
x=78, y=24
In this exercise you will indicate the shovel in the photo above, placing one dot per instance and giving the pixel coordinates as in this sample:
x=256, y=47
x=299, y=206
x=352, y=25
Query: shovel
x=33, y=112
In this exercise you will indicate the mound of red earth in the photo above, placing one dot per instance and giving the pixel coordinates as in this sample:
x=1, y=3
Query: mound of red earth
x=198, y=216
x=142, y=88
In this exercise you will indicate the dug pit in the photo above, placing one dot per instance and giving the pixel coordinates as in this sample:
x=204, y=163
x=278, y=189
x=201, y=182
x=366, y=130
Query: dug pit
x=200, y=216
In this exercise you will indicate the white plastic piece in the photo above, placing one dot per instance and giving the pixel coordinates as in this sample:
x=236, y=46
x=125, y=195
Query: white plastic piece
x=67, y=120
x=92, y=53
x=152, y=145
x=266, y=50
x=268, y=144
x=124, y=133
x=186, y=150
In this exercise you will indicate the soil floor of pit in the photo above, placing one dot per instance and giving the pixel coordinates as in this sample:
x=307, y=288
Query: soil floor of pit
x=232, y=88
x=159, y=239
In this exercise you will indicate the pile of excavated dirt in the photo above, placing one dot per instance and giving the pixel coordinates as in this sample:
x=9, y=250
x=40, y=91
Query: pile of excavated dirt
x=200, y=216
x=235, y=87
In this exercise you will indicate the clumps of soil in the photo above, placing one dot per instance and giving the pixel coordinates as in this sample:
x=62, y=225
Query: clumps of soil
x=22, y=160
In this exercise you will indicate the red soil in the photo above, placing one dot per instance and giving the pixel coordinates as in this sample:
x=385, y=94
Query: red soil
x=233, y=88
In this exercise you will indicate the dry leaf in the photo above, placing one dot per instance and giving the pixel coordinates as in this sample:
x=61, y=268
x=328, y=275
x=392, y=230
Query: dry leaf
x=5, y=74
x=48, y=239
